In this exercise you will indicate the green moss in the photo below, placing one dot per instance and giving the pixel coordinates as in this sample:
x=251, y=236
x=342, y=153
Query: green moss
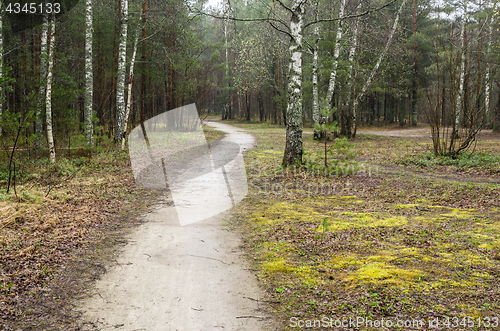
x=406, y=206
x=304, y=274
x=381, y=273
x=363, y=220
x=460, y=213
x=445, y=282
x=390, y=221
x=276, y=249
x=285, y=212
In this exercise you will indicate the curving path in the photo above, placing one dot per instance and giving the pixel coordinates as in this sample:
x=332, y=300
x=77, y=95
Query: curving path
x=190, y=278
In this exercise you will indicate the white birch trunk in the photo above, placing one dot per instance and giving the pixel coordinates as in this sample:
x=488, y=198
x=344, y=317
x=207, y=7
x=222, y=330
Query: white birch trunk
x=131, y=82
x=120, y=85
x=89, y=80
x=294, y=120
x=226, y=22
x=487, y=87
x=375, y=69
x=352, y=52
x=43, y=82
x=1, y=66
x=48, y=92
x=315, y=107
x=458, y=109
x=336, y=54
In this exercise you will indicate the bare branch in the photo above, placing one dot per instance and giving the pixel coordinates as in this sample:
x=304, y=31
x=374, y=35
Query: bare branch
x=278, y=29
x=345, y=17
x=284, y=6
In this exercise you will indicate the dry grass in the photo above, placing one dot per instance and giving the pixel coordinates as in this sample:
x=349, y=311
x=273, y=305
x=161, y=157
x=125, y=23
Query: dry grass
x=61, y=230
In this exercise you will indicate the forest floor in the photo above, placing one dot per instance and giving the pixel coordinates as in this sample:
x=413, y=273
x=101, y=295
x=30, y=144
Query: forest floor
x=60, y=227
x=393, y=236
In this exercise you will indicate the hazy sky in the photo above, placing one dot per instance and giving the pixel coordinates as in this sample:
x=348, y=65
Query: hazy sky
x=213, y=3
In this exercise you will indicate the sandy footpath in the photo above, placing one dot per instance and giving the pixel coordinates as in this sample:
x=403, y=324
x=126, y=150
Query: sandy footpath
x=189, y=278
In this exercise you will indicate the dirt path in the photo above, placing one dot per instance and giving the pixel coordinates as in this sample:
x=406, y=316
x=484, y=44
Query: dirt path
x=424, y=132
x=172, y=277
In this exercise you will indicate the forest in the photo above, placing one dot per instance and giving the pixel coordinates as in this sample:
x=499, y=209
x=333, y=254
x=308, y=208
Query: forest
x=393, y=105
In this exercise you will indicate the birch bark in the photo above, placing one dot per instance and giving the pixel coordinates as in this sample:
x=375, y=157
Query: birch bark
x=350, y=82
x=48, y=92
x=120, y=85
x=315, y=107
x=414, y=92
x=336, y=54
x=374, y=70
x=43, y=75
x=459, y=104
x=294, y=120
x=89, y=78
x=131, y=82
x=1, y=66
x=487, y=87
x=226, y=46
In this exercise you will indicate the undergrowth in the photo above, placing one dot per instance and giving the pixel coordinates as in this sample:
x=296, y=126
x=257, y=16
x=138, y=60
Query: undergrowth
x=478, y=160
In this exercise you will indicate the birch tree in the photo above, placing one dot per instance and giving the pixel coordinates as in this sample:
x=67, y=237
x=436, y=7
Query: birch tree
x=131, y=81
x=336, y=54
x=294, y=120
x=345, y=122
x=227, y=109
x=89, y=80
x=48, y=92
x=42, y=72
x=294, y=28
x=1, y=66
x=460, y=95
x=487, y=87
x=315, y=107
x=414, y=91
x=352, y=131
x=120, y=85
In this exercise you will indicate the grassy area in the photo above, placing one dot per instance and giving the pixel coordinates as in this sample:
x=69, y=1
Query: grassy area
x=59, y=230
x=212, y=134
x=405, y=245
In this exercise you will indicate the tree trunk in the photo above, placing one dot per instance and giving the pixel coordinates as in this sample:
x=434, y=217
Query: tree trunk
x=375, y=69
x=261, y=107
x=144, y=57
x=48, y=92
x=460, y=96
x=247, y=103
x=350, y=126
x=227, y=108
x=315, y=107
x=43, y=75
x=487, y=82
x=1, y=67
x=336, y=54
x=131, y=81
x=122, y=58
x=294, y=118
x=414, y=92
x=89, y=78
